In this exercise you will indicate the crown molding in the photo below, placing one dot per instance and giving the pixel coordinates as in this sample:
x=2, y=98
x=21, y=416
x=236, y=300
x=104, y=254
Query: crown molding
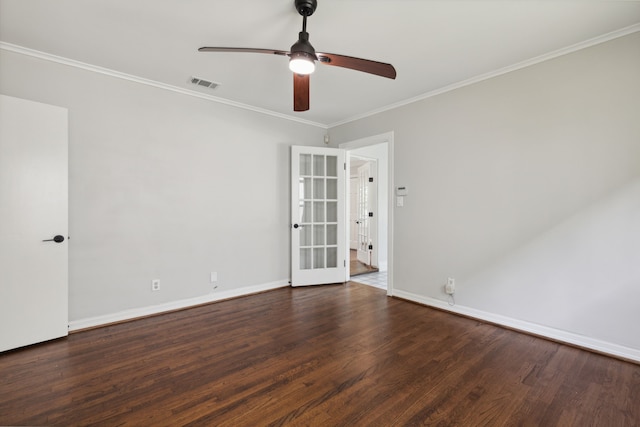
x=124, y=76
x=520, y=65
x=529, y=62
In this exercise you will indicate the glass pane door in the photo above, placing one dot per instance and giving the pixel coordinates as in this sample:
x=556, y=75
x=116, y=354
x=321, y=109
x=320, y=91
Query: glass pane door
x=363, y=214
x=317, y=212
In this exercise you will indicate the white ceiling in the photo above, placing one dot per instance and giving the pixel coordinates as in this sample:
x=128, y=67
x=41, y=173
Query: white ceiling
x=432, y=44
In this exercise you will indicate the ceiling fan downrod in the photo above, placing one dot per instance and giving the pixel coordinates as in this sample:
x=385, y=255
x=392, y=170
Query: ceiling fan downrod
x=302, y=51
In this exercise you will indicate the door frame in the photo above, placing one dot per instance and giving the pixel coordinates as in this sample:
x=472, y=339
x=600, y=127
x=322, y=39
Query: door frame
x=388, y=138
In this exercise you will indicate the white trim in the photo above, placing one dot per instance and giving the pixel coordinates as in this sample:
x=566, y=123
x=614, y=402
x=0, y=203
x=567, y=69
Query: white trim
x=117, y=74
x=135, y=313
x=533, y=328
x=527, y=63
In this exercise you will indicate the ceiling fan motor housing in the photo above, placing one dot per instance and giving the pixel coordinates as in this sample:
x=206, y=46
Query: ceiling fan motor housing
x=306, y=7
x=302, y=47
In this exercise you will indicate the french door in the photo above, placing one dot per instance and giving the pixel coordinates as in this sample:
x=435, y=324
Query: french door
x=318, y=232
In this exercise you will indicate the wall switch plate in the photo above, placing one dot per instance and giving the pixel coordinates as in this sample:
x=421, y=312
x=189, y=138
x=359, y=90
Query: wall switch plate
x=155, y=285
x=214, y=276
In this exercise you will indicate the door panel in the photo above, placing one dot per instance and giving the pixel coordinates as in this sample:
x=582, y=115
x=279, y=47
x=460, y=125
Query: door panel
x=318, y=216
x=33, y=208
x=353, y=213
x=363, y=215
x=367, y=205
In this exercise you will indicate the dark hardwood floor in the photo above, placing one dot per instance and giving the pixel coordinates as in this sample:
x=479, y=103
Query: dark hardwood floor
x=356, y=267
x=333, y=355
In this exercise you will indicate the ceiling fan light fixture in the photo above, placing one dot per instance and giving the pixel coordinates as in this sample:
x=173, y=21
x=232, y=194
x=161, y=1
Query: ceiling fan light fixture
x=303, y=57
x=301, y=63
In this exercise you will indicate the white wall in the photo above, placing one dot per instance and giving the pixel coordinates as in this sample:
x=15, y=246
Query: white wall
x=164, y=185
x=525, y=189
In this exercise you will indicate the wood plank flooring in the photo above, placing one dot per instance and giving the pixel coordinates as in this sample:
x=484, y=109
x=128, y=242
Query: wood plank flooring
x=339, y=355
x=356, y=267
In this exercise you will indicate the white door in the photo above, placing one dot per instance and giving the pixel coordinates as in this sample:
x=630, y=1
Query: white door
x=33, y=208
x=353, y=213
x=366, y=212
x=318, y=231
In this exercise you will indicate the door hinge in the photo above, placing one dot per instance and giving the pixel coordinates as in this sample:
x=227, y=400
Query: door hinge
x=370, y=247
x=345, y=262
x=370, y=179
x=371, y=214
x=345, y=165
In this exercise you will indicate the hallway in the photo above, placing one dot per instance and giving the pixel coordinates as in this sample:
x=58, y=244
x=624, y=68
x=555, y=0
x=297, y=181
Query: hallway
x=366, y=275
x=356, y=267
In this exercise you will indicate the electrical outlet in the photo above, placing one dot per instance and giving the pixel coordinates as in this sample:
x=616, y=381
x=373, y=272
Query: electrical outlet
x=155, y=285
x=214, y=276
x=450, y=287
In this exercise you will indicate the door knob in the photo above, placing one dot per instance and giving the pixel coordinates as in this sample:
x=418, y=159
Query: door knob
x=298, y=225
x=57, y=239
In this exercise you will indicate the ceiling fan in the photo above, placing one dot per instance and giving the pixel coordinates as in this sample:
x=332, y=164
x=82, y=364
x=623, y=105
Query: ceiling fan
x=302, y=57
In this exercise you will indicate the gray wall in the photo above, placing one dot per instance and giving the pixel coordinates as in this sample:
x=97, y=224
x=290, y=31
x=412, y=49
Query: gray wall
x=164, y=185
x=525, y=188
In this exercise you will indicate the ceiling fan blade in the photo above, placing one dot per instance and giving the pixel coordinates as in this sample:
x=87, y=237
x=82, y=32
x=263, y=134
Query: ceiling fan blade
x=300, y=92
x=372, y=67
x=244, y=49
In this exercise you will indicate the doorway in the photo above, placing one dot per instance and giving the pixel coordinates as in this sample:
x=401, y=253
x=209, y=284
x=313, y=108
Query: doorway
x=377, y=153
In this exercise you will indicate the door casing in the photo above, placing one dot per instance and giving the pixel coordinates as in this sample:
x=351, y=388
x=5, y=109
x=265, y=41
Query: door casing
x=387, y=138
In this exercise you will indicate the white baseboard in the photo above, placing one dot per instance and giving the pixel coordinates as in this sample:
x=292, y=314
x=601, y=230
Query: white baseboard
x=134, y=313
x=544, y=331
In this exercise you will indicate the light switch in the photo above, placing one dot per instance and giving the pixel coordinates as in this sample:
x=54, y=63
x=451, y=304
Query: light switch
x=399, y=201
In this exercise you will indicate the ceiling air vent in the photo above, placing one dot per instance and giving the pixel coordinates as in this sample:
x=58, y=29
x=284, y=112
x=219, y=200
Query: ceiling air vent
x=204, y=83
